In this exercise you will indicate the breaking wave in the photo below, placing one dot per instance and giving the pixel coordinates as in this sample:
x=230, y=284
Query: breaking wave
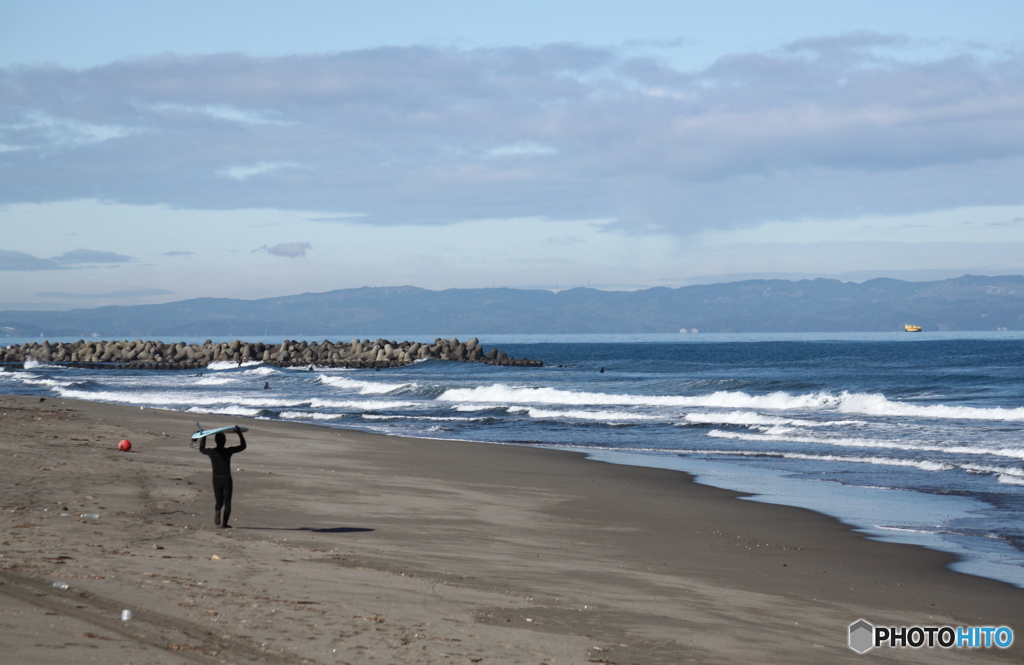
x=1017, y=453
x=305, y=415
x=215, y=381
x=582, y=415
x=452, y=419
x=171, y=398
x=752, y=418
x=260, y=371
x=227, y=411
x=362, y=387
x=228, y=364
x=369, y=405
x=874, y=404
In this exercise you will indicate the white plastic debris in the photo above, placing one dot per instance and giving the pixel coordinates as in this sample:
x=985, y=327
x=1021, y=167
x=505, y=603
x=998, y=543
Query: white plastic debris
x=60, y=585
x=126, y=615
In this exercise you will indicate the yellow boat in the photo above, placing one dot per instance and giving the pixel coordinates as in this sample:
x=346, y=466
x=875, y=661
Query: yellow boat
x=912, y=328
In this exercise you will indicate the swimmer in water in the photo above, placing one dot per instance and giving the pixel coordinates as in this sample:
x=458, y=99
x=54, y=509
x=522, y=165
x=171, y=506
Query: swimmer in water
x=220, y=458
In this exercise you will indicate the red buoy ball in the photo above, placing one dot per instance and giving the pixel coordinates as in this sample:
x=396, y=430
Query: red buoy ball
x=124, y=446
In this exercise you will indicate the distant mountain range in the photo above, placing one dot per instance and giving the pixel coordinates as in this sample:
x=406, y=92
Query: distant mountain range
x=821, y=305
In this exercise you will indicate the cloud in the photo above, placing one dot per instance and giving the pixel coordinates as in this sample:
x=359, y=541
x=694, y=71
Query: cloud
x=137, y=293
x=50, y=132
x=10, y=260
x=90, y=256
x=223, y=112
x=292, y=250
x=564, y=240
x=177, y=254
x=520, y=149
x=341, y=217
x=830, y=127
x=244, y=172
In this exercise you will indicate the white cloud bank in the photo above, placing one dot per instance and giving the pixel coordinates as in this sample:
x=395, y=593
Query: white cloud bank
x=826, y=128
x=291, y=250
x=245, y=172
x=11, y=260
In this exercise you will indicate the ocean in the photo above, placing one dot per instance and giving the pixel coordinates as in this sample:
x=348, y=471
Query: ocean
x=914, y=438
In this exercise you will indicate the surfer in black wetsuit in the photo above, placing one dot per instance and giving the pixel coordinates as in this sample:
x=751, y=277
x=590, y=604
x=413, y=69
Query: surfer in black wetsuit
x=220, y=458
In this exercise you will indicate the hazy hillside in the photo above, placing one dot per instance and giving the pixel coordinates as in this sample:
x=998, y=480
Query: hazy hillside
x=821, y=305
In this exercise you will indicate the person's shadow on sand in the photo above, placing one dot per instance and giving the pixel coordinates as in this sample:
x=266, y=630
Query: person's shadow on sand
x=337, y=529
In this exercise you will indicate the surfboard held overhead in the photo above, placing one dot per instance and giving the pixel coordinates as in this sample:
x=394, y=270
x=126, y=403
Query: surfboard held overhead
x=210, y=432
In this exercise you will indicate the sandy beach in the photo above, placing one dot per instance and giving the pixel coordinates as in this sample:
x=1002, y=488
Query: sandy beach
x=350, y=547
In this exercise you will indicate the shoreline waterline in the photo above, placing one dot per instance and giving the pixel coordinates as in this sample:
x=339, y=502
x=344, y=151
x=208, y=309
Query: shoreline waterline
x=854, y=506
x=427, y=547
x=883, y=514
x=929, y=424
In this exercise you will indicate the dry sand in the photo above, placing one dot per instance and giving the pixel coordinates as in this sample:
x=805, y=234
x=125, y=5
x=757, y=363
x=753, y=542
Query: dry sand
x=358, y=548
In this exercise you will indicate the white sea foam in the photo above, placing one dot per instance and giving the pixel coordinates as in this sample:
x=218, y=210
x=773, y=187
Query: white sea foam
x=578, y=414
x=226, y=410
x=862, y=403
x=753, y=418
x=371, y=416
x=877, y=405
x=371, y=405
x=1016, y=453
x=170, y=398
x=778, y=430
x=304, y=415
x=35, y=381
x=1008, y=471
x=608, y=448
x=499, y=394
x=228, y=364
x=259, y=371
x=925, y=465
x=903, y=529
x=215, y=381
x=362, y=387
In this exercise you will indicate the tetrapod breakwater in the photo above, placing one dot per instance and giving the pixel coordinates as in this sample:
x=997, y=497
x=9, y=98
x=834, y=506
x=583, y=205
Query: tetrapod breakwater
x=148, y=354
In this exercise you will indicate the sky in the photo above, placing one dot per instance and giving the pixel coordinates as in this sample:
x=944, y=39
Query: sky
x=152, y=152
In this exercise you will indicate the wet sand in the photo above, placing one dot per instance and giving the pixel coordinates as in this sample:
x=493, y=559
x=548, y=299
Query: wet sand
x=350, y=547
